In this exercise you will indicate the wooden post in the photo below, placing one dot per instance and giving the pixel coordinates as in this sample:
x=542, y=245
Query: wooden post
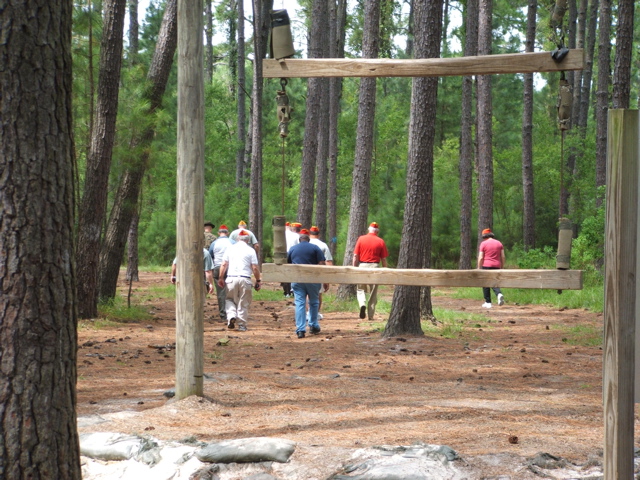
x=190, y=209
x=621, y=234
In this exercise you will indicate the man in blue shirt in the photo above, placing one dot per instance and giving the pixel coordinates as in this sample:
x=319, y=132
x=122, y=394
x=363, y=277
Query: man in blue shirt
x=305, y=253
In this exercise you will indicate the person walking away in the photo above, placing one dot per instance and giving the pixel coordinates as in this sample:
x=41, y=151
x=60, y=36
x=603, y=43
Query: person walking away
x=253, y=241
x=305, y=253
x=292, y=237
x=209, y=237
x=238, y=262
x=491, y=257
x=369, y=252
x=207, y=264
x=216, y=250
x=314, y=238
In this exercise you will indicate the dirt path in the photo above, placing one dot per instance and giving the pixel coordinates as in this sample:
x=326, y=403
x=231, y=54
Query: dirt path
x=509, y=383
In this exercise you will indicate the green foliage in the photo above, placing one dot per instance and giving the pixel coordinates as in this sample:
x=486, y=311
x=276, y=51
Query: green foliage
x=116, y=310
x=581, y=335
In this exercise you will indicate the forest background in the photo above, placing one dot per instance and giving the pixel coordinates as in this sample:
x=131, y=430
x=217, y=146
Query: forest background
x=567, y=167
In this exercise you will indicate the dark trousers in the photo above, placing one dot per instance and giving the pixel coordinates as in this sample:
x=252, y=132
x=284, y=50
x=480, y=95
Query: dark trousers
x=486, y=291
x=286, y=287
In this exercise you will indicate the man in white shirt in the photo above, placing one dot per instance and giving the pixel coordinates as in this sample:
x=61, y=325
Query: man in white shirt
x=314, y=235
x=292, y=237
x=238, y=262
x=253, y=241
x=217, y=249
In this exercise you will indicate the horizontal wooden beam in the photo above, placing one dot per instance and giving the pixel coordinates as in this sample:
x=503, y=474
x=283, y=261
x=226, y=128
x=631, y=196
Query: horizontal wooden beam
x=425, y=67
x=552, y=279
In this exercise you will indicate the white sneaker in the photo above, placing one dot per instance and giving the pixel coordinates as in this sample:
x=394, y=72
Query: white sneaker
x=486, y=305
x=500, y=299
x=320, y=317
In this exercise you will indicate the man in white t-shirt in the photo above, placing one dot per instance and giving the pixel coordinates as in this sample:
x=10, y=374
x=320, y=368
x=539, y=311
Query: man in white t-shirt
x=292, y=237
x=314, y=235
x=238, y=262
x=217, y=249
x=253, y=241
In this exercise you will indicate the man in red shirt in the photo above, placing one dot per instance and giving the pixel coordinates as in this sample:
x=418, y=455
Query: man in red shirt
x=490, y=257
x=370, y=251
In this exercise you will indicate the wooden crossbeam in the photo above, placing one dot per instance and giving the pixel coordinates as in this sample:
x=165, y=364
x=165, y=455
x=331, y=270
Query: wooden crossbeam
x=424, y=67
x=540, y=279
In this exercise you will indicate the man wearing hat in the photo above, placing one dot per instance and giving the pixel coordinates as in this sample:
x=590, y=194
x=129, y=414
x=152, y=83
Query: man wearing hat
x=253, y=241
x=305, y=253
x=238, y=262
x=314, y=238
x=217, y=249
x=490, y=257
x=209, y=237
x=370, y=251
x=292, y=237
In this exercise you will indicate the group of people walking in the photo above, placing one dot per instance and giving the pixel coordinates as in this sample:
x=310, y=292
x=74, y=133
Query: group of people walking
x=230, y=260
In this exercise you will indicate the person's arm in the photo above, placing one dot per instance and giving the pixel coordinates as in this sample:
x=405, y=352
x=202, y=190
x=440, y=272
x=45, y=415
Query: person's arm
x=209, y=275
x=223, y=271
x=173, y=273
x=356, y=260
x=480, y=259
x=384, y=262
x=258, y=275
x=502, y=259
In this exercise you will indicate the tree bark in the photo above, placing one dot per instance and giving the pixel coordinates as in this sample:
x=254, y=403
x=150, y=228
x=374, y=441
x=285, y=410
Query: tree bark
x=242, y=101
x=528, y=197
x=484, y=133
x=261, y=27
x=404, y=318
x=38, y=337
x=94, y=199
x=587, y=73
x=359, y=208
x=338, y=16
x=602, y=93
x=624, y=51
x=134, y=28
x=317, y=40
x=126, y=199
x=132, y=247
x=465, y=166
x=208, y=34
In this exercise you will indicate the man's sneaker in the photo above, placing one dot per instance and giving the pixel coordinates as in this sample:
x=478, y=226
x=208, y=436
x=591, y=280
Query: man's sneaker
x=486, y=305
x=232, y=323
x=320, y=317
x=363, y=312
x=242, y=328
x=500, y=299
x=300, y=334
x=314, y=330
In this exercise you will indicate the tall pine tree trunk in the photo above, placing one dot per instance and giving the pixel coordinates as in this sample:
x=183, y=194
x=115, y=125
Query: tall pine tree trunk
x=404, y=318
x=528, y=210
x=126, y=200
x=241, y=99
x=624, y=50
x=94, y=199
x=359, y=209
x=602, y=92
x=38, y=338
x=466, y=140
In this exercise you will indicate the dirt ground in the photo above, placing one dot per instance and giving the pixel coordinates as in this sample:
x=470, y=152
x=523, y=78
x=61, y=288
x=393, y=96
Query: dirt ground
x=509, y=384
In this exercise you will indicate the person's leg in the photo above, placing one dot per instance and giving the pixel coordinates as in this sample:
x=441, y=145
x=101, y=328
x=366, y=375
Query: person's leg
x=245, y=295
x=499, y=295
x=486, y=293
x=300, y=299
x=313, y=292
x=361, y=295
x=221, y=294
x=230, y=302
x=373, y=300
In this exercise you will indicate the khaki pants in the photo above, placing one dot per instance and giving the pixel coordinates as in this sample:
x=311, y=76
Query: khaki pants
x=239, y=296
x=372, y=290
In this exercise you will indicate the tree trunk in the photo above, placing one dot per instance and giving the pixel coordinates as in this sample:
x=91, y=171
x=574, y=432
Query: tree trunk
x=208, y=33
x=317, y=40
x=602, y=93
x=241, y=99
x=484, y=133
x=359, y=208
x=624, y=50
x=233, y=21
x=38, y=337
x=94, y=199
x=126, y=200
x=404, y=318
x=529, y=210
x=587, y=73
x=466, y=140
x=132, y=245
x=337, y=39
x=133, y=32
x=262, y=23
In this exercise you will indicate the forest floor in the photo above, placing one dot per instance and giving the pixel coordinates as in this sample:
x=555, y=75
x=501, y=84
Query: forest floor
x=513, y=382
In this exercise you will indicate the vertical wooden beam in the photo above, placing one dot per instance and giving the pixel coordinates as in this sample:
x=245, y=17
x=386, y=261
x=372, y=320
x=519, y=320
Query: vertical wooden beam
x=190, y=209
x=620, y=292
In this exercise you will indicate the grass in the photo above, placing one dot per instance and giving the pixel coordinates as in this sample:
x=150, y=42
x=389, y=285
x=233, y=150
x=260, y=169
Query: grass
x=117, y=311
x=581, y=335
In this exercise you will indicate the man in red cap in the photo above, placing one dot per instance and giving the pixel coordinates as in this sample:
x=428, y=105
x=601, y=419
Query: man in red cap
x=314, y=238
x=370, y=251
x=490, y=257
x=292, y=237
x=216, y=250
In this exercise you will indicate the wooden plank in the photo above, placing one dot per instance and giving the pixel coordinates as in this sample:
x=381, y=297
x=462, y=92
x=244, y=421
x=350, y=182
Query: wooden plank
x=425, y=67
x=621, y=243
x=190, y=203
x=553, y=279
